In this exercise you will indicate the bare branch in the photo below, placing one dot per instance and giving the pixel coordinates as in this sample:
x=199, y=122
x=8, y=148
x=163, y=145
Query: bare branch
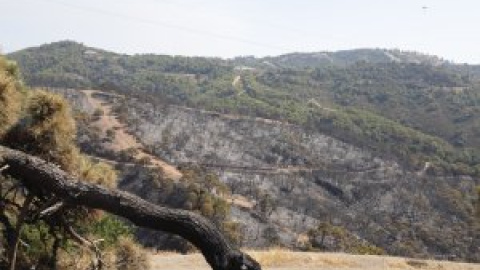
x=50, y=210
x=3, y=168
x=97, y=260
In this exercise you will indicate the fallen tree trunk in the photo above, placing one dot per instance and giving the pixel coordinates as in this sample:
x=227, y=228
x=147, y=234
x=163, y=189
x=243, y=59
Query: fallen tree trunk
x=41, y=177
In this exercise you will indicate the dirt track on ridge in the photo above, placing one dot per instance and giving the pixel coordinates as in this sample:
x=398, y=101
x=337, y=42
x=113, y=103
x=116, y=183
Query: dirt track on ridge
x=122, y=140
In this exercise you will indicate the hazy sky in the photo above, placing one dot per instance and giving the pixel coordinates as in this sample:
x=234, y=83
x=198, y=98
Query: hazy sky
x=227, y=28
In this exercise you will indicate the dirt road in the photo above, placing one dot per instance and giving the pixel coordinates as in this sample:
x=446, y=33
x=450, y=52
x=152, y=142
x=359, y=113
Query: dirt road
x=122, y=139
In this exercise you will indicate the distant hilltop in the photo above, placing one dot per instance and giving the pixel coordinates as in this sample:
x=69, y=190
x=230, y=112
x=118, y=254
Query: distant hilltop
x=344, y=58
x=291, y=60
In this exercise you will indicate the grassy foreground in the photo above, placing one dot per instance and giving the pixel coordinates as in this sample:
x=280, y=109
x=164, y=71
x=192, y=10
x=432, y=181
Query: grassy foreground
x=286, y=260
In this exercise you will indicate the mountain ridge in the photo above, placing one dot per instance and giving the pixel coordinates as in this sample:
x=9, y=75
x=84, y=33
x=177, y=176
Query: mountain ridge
x=342, y=58
x=379, y=55
x=432, y=99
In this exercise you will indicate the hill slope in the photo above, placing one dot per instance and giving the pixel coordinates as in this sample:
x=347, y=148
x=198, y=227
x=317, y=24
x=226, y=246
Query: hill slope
x=288, y=182
x=372, y=155
x=412, y=92
x=340, y=58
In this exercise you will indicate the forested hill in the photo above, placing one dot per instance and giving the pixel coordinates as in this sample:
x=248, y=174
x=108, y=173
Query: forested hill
x=413, y=107
x=342, y=58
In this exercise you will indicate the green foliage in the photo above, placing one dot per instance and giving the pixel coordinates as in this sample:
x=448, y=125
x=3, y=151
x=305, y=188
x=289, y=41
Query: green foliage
x=69, y=64
x=110, y=229
x=383, y=136
x=40, y=244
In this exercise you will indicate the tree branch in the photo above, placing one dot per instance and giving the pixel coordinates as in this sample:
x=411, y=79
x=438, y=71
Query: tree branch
x=3, y=168
x=51, y=209
x=97, y=261
x=40, y=177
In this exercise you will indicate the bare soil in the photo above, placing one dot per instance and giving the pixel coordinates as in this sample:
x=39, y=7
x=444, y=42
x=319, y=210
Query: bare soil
x=122, y=139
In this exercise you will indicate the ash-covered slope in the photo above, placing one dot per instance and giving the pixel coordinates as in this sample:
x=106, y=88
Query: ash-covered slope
x=288, y=182
x=296, y=179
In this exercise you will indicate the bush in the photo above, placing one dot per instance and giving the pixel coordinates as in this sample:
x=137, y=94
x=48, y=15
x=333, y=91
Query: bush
x=110, y=228
x=47, y=131
x=130, y=256
x=97, y=173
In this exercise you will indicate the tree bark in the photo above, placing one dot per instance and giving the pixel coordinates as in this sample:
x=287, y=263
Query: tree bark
x=41, y=177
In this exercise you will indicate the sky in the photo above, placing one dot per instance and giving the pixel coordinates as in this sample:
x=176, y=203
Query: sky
x=229, y=28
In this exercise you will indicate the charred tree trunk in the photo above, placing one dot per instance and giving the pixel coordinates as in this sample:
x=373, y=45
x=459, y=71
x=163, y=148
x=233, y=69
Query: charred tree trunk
x=41, y=177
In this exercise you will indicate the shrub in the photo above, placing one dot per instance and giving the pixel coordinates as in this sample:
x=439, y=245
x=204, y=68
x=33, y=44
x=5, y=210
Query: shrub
x=97, y=173
x=47, y=130
x=10, y=99
x=110, y=229
x=130, y=256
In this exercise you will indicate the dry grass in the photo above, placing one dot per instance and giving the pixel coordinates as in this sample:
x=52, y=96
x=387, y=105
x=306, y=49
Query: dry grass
x=280, y=259
x=130, y=256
